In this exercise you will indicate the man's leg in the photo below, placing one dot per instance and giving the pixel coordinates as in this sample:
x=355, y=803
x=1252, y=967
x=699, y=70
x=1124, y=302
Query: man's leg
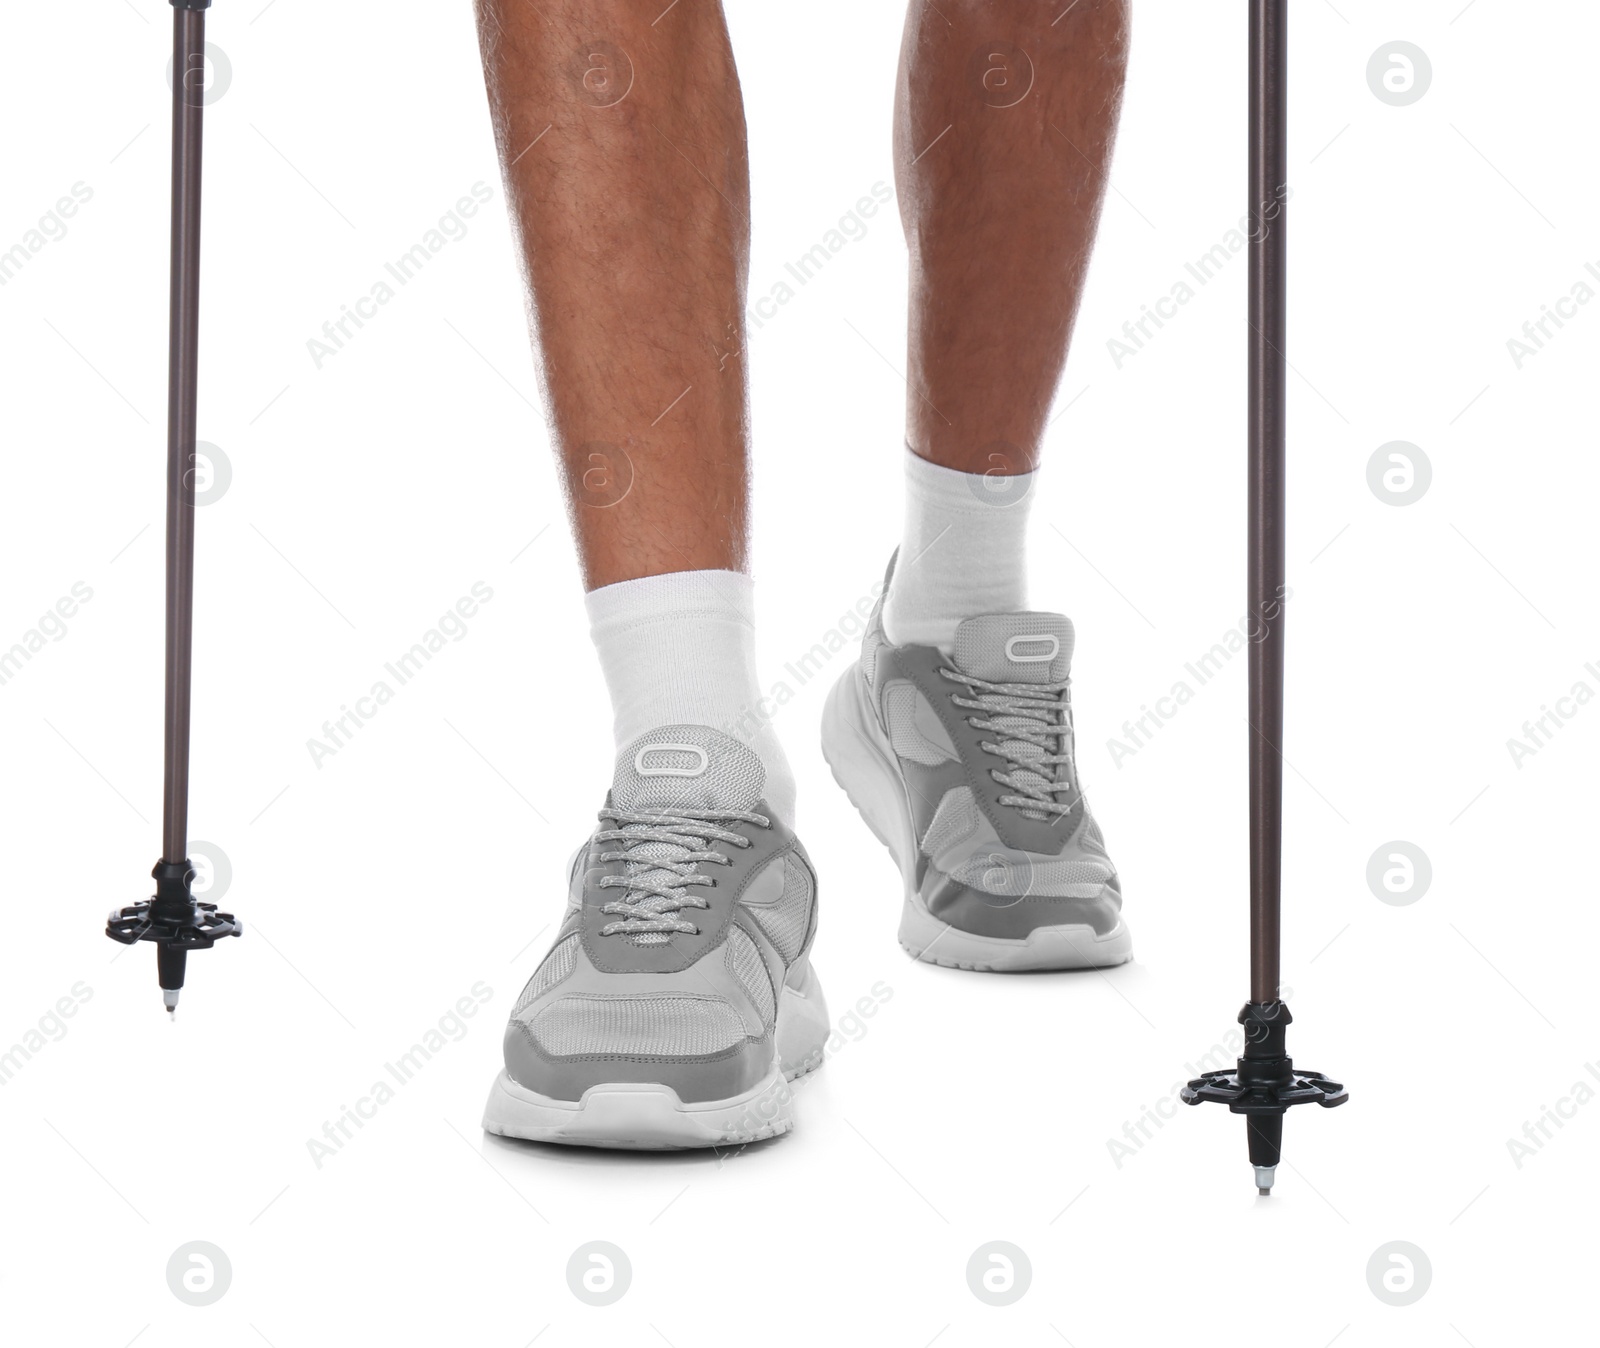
x=625, y=162
x=678, y=994
x=1005, y=116
x=623, y=144
x=953, y=735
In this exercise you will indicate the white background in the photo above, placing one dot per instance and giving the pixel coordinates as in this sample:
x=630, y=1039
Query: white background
x=370, y=494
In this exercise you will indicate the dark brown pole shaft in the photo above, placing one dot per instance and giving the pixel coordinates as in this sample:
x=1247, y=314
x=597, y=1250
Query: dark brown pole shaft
x=188, y=94
x=1268, y=171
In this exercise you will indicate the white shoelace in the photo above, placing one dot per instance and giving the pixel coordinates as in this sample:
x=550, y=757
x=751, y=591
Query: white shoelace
x=1033, y=714
x=657, y=884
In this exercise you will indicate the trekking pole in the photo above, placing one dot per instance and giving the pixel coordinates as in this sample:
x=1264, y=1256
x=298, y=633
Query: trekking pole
x=1264, y=1084
x=172, y=919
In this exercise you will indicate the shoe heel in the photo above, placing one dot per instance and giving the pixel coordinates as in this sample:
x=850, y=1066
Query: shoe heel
x=859, y=756
x=803, y=1030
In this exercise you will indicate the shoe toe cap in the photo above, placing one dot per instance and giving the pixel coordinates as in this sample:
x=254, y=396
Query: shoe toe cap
x=696, y=1044
x=1015, y=915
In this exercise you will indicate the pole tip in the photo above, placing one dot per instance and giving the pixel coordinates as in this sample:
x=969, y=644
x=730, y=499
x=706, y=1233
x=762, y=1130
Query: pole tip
x=169, y=997
x=1265, y=1176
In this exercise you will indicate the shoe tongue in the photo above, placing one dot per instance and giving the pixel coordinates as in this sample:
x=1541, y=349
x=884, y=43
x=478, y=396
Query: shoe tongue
x=687, y=767
x=1015, y=647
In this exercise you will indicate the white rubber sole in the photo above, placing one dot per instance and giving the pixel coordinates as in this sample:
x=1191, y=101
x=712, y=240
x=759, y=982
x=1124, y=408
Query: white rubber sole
x=863, y=764
x=644, y=1116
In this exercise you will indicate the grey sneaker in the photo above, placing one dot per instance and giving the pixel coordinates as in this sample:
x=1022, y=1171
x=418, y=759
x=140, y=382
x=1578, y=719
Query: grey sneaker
x=963, y=766
x=678, y=999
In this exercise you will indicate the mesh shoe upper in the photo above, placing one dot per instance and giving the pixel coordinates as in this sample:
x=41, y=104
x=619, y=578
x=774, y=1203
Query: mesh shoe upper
x=984, y=742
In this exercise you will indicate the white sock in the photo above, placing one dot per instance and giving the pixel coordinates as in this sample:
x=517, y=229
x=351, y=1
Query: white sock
x=679, y=649
x=963, y=552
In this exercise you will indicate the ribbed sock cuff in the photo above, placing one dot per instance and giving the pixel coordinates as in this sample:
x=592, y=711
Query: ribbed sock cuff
x=963, y=552
x=679, y=649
